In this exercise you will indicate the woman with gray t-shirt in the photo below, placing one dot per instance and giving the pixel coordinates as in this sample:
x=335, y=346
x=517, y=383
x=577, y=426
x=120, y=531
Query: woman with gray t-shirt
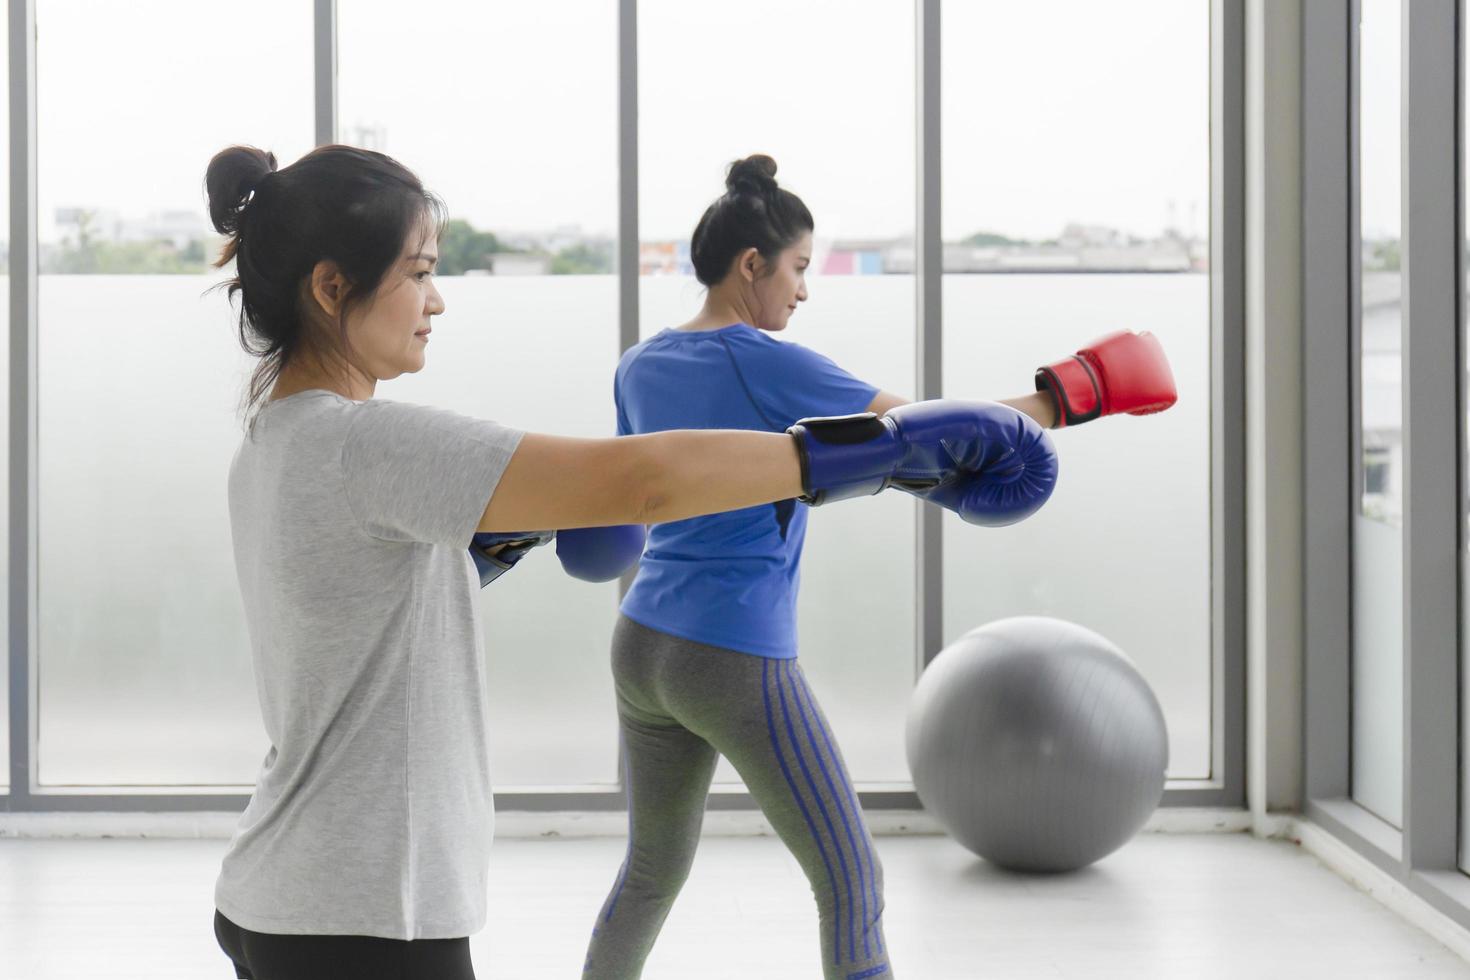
x=363, y=851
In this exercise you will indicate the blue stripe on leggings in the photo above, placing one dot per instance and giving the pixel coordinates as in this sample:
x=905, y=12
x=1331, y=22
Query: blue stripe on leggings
x=876, y=971
x=831, y=742
x=821, y=808
x=791, y=782
x=627, y=857
x=837, y=795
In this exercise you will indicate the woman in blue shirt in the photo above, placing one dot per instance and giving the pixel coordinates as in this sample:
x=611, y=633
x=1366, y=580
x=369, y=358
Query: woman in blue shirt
x=704, y=654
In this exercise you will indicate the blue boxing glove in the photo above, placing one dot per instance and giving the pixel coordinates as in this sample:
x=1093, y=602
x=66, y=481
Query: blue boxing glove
x=492, y=564
x=987, y=462
x=600, y=554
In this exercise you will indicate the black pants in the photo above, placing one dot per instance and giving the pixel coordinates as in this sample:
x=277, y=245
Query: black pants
x=268, y=956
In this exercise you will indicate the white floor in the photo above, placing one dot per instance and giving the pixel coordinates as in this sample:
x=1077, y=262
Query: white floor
x=1167, y=906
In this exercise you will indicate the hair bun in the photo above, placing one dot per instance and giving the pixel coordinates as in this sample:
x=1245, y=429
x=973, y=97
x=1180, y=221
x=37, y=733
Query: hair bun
x=756, y=173
x=232, y=177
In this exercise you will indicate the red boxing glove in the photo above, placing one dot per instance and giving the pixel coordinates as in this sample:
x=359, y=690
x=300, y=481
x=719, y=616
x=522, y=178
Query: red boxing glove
x=1122, y=372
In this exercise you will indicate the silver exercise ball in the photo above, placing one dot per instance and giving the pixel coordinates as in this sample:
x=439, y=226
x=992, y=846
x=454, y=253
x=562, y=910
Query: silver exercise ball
x=1037, y=744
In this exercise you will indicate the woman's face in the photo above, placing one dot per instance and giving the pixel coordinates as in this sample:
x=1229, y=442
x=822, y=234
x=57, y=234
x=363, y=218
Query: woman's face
x=388, y=335
x=780, y=285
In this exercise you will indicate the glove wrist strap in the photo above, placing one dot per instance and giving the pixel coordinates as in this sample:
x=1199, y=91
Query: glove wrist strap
x=845, y=456
x=1074, y=389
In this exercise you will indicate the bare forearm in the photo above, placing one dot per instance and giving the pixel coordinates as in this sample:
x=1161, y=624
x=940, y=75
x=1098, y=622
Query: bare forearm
x=709, y=472
x=557, y=482
x=1038, y=405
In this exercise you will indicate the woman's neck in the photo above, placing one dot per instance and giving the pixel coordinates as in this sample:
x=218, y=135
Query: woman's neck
x=348, y=381
x=721, y=309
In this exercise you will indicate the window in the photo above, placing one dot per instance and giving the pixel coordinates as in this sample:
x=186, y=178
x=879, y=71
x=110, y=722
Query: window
x=812, y=102
x=1377, y=472
x=1378, y=561
x=144, y=672
x=515, y=129
x=1076, y=202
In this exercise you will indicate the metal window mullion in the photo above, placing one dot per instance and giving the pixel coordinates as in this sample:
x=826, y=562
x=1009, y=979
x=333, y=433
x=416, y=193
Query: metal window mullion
x=1355, y=296
x=1430, y=511
x=23, y=306
x=928, y=360
x=1353, y=474
x=1327, y=298
x=1227, y=400
x=627, y=246
x=324, y=71
x=1462, y=262
x=1226, y=784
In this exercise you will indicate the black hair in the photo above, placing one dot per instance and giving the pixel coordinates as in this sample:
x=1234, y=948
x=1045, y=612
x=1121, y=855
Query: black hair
x=338, y=203
x=752, y=213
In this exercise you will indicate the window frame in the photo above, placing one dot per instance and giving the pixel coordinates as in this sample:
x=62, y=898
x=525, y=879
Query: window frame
x=1423, y=856
x=1225, y=788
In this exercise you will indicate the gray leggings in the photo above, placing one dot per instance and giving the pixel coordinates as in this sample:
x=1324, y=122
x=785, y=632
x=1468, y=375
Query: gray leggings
x=683, y=704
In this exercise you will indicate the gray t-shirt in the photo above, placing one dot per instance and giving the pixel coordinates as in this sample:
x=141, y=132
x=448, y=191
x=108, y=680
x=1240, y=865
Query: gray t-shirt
x=372, y=814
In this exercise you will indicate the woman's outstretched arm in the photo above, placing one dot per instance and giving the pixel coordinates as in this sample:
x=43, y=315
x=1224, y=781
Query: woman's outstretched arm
x=1038, y=405
x=554, y=481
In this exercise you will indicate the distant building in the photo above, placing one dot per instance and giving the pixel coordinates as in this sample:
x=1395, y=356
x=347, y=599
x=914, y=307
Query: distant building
x=1380, y=396
x=851, y=257
x=101, y=224
x=664, y=259
x=1079, y=250
x=1080, y=236
x=556, y=240
x=178, y=228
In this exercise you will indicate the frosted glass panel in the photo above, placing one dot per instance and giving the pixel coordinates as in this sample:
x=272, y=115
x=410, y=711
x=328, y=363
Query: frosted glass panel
x=1378, y=680
x=1077, y=203
x=144, y=673
x=1123, y=546
x=5, y=522
x=145, y=666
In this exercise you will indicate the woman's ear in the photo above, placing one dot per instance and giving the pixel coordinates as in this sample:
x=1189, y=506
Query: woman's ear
x=751, y=264
x=329, y=287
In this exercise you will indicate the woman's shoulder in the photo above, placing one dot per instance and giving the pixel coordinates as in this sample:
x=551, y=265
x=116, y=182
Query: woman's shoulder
x=745, y=335
x=761, y=344
x=293, y=415
x=410, y=418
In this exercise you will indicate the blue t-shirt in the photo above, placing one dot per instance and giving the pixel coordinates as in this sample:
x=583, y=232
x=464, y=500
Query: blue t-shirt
x=728, y=580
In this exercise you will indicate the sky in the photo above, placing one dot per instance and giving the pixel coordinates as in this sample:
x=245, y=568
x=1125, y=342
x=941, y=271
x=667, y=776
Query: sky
x=1054, y=111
